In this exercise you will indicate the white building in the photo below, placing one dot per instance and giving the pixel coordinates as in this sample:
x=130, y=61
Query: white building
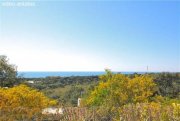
x=52, y=111
x=30, y=82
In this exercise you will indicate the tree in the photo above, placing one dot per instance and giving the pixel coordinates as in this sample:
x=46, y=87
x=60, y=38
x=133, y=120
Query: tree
x=168, y=84
x=8, y=72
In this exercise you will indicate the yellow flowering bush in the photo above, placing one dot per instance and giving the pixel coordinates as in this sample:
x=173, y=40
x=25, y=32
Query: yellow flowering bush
x=176, y=110
x=21, y=102
x=118, y=89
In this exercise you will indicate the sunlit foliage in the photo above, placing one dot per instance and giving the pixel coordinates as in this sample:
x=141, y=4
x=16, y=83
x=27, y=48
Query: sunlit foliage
x=22, y=101
x=118, y=89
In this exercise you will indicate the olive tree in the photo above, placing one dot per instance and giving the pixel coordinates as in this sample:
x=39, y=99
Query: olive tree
x=8, y=72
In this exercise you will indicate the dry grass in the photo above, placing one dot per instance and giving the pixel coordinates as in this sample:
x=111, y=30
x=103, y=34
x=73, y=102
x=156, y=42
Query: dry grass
x=131, y=112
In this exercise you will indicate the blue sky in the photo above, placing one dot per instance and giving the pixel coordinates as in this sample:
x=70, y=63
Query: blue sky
x=92, y=35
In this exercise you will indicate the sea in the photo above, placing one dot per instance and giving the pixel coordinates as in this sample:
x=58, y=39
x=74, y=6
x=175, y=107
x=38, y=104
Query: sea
x=39, y=74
